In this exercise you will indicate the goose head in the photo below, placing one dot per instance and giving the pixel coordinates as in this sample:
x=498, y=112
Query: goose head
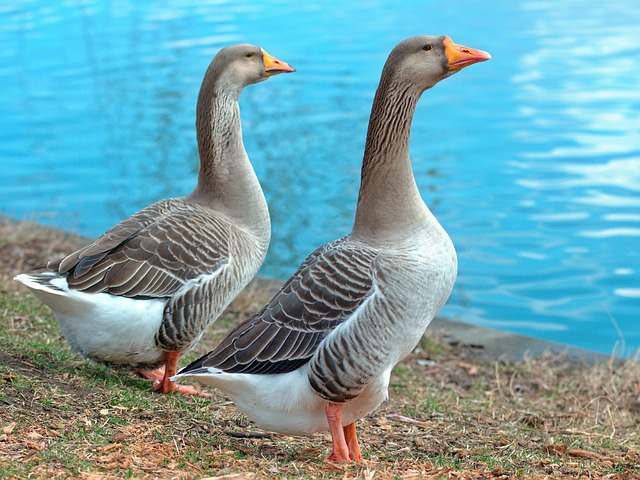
x=423, y=61
x=244, y=64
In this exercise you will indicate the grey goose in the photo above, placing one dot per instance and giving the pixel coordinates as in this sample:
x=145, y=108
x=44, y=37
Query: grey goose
x=143, y=293
x=319, y=355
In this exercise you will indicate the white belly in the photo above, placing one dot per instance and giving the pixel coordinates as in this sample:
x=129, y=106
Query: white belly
x=103, y=327
x=286, y=403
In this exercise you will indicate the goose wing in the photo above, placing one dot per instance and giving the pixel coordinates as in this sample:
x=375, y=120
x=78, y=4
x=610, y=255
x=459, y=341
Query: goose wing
x=329, y=286
x=152, y=254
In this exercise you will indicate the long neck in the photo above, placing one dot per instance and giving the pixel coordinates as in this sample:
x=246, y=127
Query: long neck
x=226, y=179
x=389, y=203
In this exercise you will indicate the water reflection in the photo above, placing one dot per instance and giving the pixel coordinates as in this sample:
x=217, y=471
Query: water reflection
x=531, y=161
x=580, y=158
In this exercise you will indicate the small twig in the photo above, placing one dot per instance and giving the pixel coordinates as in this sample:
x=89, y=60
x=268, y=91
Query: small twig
x=497, y=374
x=622, y=344
x=577, y=432
x=511, y=380
x=247, y=435
x=402, y=418
x=613, y=423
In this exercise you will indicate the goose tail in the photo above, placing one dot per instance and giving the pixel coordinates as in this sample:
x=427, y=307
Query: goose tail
x=52, y=290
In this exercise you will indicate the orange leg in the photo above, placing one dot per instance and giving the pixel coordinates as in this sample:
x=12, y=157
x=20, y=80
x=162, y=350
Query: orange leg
x=170, y=369
x=340, y=450
x=162, y=378
x=156, y=375
x=352, y=442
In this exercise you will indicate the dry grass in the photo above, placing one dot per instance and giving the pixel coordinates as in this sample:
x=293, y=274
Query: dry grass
x=454, y=410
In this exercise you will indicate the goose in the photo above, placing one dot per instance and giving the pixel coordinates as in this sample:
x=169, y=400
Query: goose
x=319, y=355
x=143, y=293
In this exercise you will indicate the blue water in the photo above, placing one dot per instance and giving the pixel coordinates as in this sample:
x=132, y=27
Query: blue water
x=531, y=161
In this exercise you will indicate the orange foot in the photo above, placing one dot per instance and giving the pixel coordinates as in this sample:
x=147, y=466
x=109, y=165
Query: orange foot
x=344, y=444
x=162, y=378
x=352, y=442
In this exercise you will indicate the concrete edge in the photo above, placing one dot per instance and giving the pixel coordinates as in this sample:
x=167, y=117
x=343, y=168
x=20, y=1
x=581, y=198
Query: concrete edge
x=503, y=345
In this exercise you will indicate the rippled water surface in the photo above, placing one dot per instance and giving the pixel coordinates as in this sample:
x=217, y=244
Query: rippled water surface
x=531, y=161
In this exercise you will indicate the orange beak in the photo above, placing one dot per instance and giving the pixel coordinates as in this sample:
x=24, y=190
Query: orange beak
x=460, y=56
x=273, y=66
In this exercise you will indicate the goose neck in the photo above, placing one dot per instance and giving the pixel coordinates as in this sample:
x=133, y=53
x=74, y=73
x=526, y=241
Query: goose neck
x=389, y=202
x=226, y=179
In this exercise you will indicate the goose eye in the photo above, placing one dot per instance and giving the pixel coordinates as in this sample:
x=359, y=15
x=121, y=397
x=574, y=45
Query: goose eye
x=427, y=48
x=249, y=55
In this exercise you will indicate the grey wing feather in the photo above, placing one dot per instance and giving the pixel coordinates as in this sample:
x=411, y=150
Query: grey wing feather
x=151, y=254
x=325, y=290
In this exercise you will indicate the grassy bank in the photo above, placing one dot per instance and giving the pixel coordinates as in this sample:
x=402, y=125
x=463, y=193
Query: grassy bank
x=455, y=411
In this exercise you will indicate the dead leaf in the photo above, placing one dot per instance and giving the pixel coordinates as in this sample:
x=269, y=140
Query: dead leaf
x=8, y=429
x=559, y=449
x=471, y=369
x=383, y=423
x=234, y=476
x=578, y=452
x=33, y=445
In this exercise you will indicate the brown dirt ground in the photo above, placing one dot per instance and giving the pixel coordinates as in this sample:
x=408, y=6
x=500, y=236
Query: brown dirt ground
x=455, y=411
